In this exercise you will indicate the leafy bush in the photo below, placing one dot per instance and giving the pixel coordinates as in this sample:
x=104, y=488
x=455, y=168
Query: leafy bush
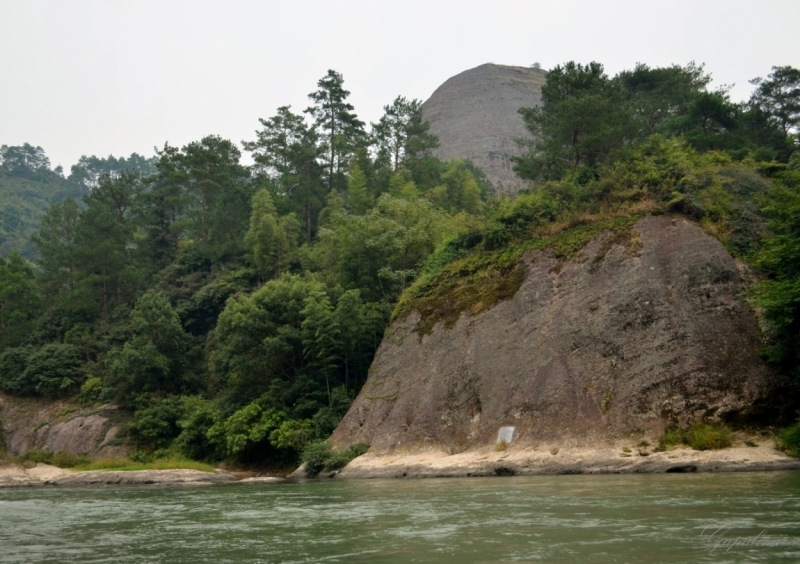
x=37, y=456
x=199, y=415
x=701, y=436
x=13, y=378
x=156, y=425
x=319, y=456
x=246, y=428
x=68, y=459
x=91, y=390
x=789, y=440
x=56, y=370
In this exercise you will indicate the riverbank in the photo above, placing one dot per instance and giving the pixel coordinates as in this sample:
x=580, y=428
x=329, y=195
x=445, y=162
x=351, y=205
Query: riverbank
x=14, y=475
x=567, y=460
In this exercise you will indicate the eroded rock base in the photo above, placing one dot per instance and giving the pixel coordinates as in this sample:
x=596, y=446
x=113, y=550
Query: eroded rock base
x=575, y=460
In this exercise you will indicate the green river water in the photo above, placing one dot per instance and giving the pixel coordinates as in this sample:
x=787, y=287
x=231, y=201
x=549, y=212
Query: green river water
x=630, y=518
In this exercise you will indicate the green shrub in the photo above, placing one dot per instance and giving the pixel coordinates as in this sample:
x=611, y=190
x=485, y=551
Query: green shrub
x=316, y=456
x=37, y=455
x=701, y=436
x=156, y=425
x=68, y=460
x=319, y=456
x=707, y=436
x=56, y=370
x=789, y=440
x=199, y=415
x=672, y=438
x=13, y=377
x=90, y=391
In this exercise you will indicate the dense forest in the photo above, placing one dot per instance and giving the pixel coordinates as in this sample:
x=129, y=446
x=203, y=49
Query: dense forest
x=235, y=310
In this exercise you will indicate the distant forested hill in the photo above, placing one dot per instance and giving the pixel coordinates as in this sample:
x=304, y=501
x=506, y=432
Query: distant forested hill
x=28, y=187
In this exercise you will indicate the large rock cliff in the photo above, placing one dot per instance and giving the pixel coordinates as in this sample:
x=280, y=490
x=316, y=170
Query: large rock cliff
x=626, y=339
x=60, y=426
x=475, y=115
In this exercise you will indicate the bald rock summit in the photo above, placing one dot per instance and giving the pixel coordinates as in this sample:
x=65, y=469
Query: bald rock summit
x=475, y=116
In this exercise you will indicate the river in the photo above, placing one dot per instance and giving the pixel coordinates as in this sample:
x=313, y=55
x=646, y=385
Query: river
x=753, y=517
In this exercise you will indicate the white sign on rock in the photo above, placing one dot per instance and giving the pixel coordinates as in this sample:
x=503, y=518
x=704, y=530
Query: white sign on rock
x=505, y=435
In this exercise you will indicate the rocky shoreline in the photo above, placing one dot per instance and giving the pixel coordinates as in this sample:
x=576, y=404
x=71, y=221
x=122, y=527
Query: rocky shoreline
x=13, y=475
x=484, y=462
x=576, y=460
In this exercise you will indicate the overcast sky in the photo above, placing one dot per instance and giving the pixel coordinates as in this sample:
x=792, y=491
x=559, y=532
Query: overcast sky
x=118, y=76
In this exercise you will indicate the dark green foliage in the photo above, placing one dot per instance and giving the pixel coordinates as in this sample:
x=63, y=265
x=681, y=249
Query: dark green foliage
x=789, y=440
x=13, y=378
x=155, y=425
x=54, y=370
x=151, y=360
x=341, y=130
x=198, y=416
x=581, y=121
x=20, y=303
x=779, y=295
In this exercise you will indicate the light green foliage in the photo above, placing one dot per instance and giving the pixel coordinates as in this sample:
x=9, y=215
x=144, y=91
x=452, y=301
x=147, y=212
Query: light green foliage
x=90, y=392
x=701, y=436
x=359, y=200
x=381, y=251
x=271, y=239
x=27, y=188
x=292, y=434
x=247, y=427
x=459, y=191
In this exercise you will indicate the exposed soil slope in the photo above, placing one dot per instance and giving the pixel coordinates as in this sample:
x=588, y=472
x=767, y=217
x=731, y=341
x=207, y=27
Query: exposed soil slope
x=631, y=336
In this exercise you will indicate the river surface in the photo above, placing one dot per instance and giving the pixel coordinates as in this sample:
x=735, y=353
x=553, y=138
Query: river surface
x=586, y=519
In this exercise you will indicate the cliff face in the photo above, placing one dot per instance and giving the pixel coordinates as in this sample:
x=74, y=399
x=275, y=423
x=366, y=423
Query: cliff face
x=631, y=337
x=59, y=426
x=475, y=116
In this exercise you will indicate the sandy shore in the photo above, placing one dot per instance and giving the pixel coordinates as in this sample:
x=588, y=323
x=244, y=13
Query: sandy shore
x=576, y=460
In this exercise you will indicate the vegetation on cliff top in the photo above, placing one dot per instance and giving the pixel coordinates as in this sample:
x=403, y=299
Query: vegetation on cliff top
x=235, y=310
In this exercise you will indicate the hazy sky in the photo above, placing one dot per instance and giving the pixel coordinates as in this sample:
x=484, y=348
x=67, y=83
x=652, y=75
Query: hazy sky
x=118, y=76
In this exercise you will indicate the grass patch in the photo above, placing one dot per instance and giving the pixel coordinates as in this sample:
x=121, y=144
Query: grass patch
x=82, y=462
x=502, y=445
x=701, y=436
x=127, y=465
x=481, y=279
